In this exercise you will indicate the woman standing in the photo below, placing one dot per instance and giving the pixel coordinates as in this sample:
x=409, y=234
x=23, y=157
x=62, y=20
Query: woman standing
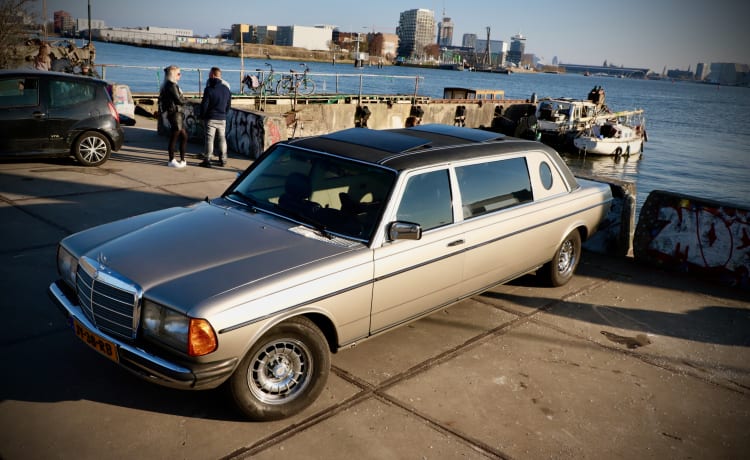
x=171, y=102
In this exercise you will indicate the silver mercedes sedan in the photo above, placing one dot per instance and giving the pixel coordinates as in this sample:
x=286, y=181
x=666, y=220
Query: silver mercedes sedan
x=323, y=242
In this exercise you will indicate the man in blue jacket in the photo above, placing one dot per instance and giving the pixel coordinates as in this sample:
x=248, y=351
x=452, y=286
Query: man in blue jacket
x=214, y=108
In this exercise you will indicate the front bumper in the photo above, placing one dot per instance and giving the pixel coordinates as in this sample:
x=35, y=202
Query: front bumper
x=189, y=376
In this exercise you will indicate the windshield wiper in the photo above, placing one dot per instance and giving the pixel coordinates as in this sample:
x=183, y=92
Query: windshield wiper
x=317, y=225
x=251, y=202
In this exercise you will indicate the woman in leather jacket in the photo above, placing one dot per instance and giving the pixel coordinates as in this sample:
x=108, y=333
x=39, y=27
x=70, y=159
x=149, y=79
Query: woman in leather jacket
x=171, y=102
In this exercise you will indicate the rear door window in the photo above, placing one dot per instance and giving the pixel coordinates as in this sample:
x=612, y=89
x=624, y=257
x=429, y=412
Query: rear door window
x=19, y=92
x=494, y=185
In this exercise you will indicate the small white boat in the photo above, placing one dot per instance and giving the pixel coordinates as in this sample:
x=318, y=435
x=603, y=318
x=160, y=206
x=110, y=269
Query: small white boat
x=612, y=137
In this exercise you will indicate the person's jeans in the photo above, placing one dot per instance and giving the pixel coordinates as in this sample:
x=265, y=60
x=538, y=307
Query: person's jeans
x=216, y=129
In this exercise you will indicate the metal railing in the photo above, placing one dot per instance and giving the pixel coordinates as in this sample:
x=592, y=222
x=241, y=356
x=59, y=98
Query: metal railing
x=149, y=78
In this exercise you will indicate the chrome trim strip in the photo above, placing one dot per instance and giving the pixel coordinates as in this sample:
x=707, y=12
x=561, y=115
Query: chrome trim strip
x=292, y=307
x=406, y=269
x=75, y=312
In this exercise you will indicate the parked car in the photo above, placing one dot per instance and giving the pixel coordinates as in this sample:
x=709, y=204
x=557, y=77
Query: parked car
x=53, y=114
x=322, y=243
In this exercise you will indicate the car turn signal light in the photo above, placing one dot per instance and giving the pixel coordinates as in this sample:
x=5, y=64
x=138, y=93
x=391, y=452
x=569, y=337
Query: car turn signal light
x=201, y=338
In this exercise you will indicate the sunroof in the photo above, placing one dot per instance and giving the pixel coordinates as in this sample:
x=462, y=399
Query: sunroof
x=474, y=135
x=383, y=140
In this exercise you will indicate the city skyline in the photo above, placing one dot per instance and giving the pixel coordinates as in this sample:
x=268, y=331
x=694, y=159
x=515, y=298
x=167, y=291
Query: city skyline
x=671, y=34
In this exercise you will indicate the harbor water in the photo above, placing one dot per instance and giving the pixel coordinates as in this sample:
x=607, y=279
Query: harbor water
x=698, y=134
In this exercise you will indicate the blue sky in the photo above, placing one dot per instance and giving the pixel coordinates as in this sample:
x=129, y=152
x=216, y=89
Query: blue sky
x=633, y=33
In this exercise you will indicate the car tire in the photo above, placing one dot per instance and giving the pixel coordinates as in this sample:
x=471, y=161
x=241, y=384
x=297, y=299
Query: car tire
x=563, y=265
x=283, y=372
x=92, y=148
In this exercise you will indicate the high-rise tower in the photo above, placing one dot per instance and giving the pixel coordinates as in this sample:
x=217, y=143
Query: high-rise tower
x=445, y=31
x=517, y=48
x=416, y=30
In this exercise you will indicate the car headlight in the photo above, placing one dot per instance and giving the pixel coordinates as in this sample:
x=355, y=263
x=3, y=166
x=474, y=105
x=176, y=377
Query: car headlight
x=193, y=336
x=67, y=265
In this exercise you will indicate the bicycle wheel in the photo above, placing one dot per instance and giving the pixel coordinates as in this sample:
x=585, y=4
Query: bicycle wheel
x=284, y=87
x=307, y=87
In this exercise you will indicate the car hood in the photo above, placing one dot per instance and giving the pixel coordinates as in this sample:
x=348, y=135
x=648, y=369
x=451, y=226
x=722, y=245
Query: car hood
x=195, y=256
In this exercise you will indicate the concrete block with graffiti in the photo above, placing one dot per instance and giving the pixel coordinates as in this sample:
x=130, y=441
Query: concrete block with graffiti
x=695, y=235
x=249, y=133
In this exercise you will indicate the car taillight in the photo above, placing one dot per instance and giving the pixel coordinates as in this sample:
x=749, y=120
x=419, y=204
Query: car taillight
x=113, y=111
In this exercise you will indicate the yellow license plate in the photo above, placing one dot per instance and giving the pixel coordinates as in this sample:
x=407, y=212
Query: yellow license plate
x=99, y=344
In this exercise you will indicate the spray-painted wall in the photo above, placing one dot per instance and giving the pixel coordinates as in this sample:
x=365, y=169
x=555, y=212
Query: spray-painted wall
x=695, y=235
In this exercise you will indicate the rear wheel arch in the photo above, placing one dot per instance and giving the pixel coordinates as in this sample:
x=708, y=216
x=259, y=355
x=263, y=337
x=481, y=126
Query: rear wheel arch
x=91, y=147
x=562, y=267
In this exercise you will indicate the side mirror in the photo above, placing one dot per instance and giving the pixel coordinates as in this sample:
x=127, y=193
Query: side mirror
x=404, y=231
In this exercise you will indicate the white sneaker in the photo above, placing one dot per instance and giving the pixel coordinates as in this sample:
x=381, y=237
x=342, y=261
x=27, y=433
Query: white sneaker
x=173, y=163
x=183, y=163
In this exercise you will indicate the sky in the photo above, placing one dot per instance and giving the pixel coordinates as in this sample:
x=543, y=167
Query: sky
x=676, y=34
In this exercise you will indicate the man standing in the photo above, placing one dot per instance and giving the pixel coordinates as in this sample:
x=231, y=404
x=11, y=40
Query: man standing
x=214, y=108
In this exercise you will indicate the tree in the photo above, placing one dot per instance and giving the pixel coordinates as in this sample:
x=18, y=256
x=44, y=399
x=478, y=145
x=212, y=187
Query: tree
x=376, y=45
x=16, y=17
x=432, y=51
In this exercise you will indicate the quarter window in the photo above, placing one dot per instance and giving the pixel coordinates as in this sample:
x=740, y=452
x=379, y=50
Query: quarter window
x=545, y=175
x=488, y=187
x=427, y=200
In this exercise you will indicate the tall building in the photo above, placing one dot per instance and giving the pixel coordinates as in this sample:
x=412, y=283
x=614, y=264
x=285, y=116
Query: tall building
x=469, y=41
x=445, y=32
x=517, y=48
x=64, y=23
x=416, y=30
x=700, y=71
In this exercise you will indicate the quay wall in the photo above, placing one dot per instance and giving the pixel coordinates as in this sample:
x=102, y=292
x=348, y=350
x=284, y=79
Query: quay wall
x=695, y=235
x=673, y=231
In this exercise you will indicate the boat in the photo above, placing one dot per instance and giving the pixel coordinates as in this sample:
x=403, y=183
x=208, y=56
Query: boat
x=561, y=121
x=452, y=92
x=623, y=133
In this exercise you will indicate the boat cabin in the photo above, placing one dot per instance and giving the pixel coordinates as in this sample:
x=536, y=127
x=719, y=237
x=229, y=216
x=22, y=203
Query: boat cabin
x=470, y=93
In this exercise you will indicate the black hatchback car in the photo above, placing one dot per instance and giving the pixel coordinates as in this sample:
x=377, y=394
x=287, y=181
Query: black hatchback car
x=56, y=114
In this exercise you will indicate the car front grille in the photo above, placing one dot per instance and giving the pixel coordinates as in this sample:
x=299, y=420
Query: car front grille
x=109, y=301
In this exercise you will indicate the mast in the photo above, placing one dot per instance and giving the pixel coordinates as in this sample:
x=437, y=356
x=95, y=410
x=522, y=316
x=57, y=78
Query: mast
x=486, y=60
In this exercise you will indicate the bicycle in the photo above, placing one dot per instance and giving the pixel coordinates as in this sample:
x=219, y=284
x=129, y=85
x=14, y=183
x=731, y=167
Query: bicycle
x=296, y=83
x=258, y=84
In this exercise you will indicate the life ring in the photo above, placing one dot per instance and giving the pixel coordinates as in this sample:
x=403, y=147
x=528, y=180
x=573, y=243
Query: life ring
x=618, y=151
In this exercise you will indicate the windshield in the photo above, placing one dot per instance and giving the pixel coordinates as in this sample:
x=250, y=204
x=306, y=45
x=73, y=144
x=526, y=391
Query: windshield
x=334, y=195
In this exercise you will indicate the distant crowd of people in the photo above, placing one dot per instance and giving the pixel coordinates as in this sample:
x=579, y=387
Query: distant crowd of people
x=43, y=61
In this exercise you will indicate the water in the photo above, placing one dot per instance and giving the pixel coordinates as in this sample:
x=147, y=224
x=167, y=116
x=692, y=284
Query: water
x=699, y=138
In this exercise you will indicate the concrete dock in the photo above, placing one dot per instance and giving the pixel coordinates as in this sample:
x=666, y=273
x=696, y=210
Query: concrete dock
x=626, y=361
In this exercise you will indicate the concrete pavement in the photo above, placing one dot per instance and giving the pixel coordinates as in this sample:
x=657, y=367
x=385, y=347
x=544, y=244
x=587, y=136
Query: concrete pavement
x=625, y=361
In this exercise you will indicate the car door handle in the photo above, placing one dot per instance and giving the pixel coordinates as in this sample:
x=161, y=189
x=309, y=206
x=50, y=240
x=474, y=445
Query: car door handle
x=455, y=243
x=38, y=114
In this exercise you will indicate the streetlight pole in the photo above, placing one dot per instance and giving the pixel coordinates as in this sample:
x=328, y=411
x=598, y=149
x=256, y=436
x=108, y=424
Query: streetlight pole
x=357, y=61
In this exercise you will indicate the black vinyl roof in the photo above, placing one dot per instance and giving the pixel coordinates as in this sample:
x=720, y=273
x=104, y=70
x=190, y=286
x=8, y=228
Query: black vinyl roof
x=421, y=145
